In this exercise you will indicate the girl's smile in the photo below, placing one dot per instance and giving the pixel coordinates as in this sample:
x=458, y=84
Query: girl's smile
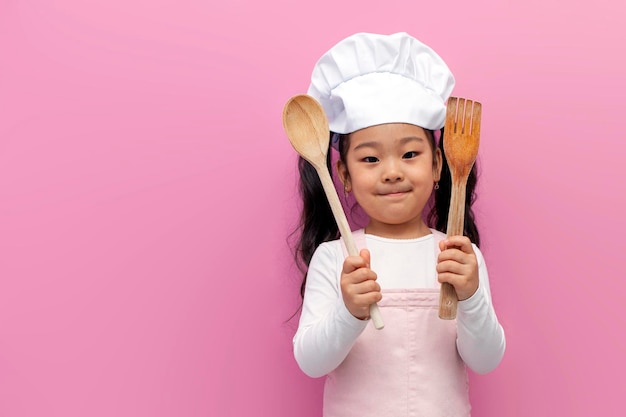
x=394, y=193
x=391, y=169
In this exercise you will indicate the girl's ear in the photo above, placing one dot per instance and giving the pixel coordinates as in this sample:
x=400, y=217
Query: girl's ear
x=437, y=164
x=344, y=176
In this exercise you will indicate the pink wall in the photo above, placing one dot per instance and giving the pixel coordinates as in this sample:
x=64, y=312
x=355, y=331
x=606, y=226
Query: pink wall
x=147, y=189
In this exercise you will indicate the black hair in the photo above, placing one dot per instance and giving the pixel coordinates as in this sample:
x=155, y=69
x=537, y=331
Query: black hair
x=317, y=224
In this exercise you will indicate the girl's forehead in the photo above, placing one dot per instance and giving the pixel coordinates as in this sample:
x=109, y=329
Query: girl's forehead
x=389, y=131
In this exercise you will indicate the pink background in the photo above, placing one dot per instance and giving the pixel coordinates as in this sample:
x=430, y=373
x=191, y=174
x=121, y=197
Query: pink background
x=147, y=190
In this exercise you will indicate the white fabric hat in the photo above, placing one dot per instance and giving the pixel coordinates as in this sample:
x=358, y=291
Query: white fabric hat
x=369, y=79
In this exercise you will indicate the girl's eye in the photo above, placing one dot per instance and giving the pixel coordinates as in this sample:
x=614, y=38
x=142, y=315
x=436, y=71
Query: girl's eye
x=370, y=159
x=409, y=155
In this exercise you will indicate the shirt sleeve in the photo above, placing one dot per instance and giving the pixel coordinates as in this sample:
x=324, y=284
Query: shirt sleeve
x=327, y=330
x=480, y=341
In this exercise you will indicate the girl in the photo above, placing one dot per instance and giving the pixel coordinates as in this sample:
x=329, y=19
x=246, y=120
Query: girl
x=385, y=101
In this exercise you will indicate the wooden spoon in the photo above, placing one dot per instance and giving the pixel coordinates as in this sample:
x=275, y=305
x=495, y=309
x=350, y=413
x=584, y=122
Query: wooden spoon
x=306, y=126
x=460, y=144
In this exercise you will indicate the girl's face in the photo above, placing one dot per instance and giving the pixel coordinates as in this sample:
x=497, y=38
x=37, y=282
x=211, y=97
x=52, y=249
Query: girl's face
x=391, y=170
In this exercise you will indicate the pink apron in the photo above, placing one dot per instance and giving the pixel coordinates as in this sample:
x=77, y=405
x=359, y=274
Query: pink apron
x=409, y=368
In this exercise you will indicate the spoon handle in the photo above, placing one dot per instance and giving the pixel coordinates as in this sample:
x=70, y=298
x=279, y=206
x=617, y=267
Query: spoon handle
x=344, y=229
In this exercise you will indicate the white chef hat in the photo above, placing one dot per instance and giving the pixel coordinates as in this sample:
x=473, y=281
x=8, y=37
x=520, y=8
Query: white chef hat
x=369, y=79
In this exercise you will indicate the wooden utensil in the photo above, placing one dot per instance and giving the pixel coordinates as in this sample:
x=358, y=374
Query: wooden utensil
x=460, y=145
x=306, y=126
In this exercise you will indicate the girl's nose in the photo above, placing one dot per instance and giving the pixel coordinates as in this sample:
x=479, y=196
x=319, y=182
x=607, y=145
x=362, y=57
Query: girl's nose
x=393, y=173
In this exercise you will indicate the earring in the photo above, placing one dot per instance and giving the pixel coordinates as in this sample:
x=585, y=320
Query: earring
x=436, y=185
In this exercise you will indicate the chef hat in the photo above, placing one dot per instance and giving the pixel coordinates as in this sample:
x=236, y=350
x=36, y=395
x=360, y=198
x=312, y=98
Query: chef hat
x=369, y=79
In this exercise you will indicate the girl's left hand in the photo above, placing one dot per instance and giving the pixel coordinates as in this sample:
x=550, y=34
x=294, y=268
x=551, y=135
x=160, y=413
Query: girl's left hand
x=458, y=266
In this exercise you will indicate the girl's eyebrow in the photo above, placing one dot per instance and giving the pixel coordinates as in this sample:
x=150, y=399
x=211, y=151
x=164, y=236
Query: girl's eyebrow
x=373, y=144
x=408, y=139
x=376, y=144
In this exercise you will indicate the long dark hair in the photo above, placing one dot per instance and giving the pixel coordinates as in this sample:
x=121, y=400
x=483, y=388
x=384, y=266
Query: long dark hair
x=318, y=225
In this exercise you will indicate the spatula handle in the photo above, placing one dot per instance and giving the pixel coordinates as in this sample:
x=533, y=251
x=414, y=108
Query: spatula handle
x=448, y=298
x=448, y=301
x=344, y=229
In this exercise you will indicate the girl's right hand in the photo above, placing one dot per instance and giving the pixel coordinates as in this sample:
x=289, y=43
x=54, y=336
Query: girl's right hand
x=358, y=285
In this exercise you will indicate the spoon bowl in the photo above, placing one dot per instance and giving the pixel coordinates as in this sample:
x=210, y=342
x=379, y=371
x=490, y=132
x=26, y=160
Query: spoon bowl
x=306, y=126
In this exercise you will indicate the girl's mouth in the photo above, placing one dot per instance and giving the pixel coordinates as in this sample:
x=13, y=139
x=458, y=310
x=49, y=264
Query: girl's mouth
x=394, y=193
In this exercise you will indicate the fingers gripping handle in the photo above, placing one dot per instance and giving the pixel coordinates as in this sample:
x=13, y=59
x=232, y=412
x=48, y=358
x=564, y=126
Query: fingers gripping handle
x=375, y=315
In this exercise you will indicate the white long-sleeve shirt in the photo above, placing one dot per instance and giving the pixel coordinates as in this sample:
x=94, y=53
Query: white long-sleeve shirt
x=327, y=330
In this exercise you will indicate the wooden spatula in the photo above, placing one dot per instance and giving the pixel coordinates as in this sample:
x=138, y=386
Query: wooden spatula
x=460, y=144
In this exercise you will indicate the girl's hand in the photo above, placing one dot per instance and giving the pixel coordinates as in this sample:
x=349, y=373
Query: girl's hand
x=458, y=266
x=358, y=285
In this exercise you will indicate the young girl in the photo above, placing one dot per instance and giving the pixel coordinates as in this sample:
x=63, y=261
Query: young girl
x=384, y=97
